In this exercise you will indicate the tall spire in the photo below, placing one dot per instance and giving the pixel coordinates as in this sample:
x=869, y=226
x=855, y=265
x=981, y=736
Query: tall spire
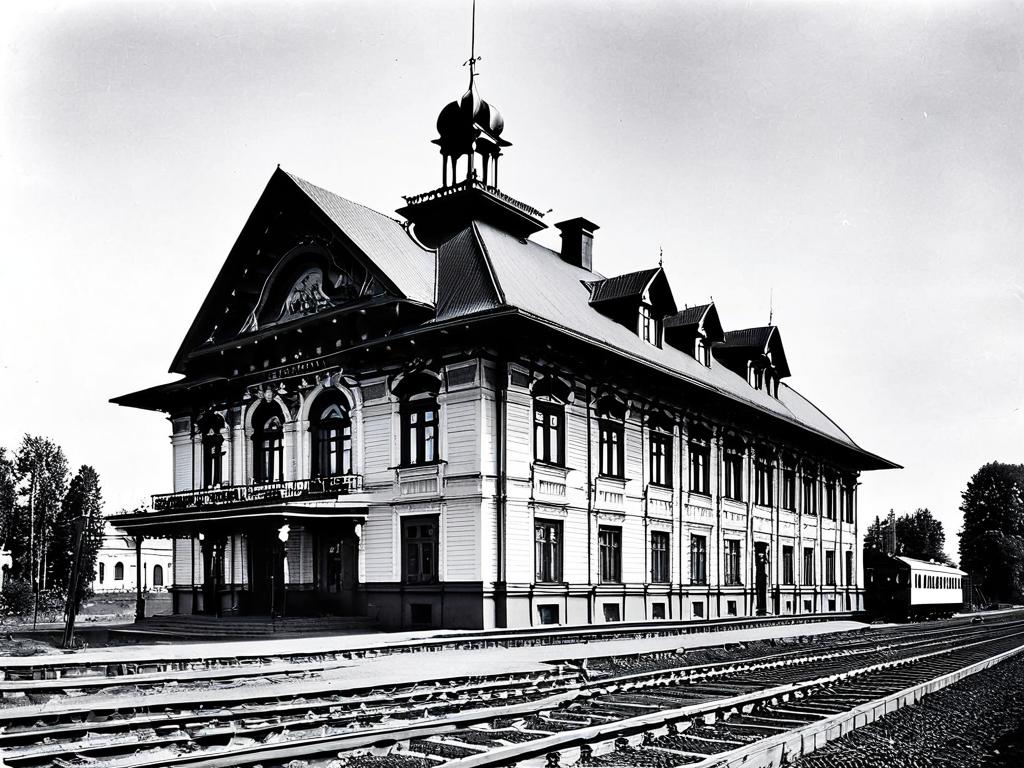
x=471, y=142
x=473, y=58
x=470, y=127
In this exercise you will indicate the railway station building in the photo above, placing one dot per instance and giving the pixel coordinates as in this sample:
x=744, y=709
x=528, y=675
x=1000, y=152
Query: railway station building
x=434, y=421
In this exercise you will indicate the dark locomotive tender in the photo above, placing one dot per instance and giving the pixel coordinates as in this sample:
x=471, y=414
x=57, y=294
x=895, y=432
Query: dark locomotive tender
x=898, y=588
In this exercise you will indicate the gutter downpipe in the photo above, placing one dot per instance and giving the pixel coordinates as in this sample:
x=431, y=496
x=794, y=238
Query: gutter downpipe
x=590, y=511
x=500, y=588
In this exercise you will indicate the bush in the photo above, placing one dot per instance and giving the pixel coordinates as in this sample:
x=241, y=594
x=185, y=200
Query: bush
x=16, y=599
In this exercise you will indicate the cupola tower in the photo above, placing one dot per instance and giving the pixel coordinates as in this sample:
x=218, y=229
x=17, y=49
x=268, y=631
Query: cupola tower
x=470, y=140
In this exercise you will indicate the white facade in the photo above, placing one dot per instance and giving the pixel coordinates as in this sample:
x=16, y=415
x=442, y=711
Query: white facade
x=116, y=566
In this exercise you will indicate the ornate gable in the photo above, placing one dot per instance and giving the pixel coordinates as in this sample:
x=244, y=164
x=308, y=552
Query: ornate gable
x=301, y=255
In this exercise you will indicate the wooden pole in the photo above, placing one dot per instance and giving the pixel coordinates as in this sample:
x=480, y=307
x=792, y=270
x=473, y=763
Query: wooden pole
x=71, y=606
x=140, y=603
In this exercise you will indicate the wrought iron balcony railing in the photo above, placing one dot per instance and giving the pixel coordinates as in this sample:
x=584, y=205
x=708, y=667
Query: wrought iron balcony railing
x=291, y=490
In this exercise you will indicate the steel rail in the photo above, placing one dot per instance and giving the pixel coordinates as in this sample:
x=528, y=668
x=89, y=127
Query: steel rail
x=593, y=688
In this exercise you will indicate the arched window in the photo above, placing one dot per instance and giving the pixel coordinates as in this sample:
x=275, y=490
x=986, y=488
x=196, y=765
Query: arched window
x=268, y=445
x=158, y=576
x=210, y=426
x=700, y=459
x=611, y=437
x=419, y=430
x=103, y=571
x=332, y=436
x=549, y=398
x=119, y=572
x=660, y=442
x=732, y=468
x=420, y=416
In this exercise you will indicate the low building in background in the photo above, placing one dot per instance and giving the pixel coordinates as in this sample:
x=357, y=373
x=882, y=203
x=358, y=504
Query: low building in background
x=116, y=566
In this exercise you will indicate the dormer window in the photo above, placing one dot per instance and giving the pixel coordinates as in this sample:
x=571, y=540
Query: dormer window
x=702, y=352
x=649, y=326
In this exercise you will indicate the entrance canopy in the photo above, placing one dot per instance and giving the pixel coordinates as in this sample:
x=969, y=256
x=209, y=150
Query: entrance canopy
x=172, y=523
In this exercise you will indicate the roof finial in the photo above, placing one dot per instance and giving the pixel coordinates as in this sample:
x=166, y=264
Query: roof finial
x=771, y=304
x=661, y=256
x=473, y=58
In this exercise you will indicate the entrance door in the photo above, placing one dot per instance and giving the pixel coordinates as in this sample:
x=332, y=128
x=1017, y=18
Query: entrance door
x=338, y=558
x=212, y=555
x=266, y=576
x=761, y=577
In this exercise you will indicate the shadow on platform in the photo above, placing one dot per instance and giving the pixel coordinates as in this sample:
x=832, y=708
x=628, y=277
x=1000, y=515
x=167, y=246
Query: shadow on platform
x=199, y=628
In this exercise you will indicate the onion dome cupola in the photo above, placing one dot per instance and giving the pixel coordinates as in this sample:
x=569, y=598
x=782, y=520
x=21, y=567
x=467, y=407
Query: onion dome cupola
x=470, y=127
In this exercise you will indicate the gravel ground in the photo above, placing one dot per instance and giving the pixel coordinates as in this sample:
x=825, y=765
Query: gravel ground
x=977, y=723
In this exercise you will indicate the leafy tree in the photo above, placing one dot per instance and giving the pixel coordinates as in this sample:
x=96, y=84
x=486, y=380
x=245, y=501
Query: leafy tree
x=82, y=508
x=918, y=535
x=992, y=539
x=877, y=535
x=8, y=495
x=42, y=470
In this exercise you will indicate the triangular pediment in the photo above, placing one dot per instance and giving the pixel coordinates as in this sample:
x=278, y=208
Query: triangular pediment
x=303, y=253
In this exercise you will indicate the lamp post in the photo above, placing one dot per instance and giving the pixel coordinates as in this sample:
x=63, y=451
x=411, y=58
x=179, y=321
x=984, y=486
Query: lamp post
x=282, y=535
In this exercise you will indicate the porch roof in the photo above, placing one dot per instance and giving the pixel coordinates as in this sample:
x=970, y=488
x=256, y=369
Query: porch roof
x=170, y=523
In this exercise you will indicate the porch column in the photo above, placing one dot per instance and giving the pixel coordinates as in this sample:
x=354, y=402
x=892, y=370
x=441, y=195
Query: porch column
x=140, y=603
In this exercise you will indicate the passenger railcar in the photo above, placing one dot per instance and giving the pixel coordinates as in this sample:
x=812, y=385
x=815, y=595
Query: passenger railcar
x=901, y=588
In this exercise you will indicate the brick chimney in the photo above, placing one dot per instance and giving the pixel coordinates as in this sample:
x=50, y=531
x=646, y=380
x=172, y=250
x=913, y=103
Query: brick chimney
x=578, y=242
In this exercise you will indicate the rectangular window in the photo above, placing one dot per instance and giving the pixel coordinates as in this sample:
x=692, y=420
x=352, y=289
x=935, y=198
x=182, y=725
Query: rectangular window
x=808, y=573
x=419, y=545
x=789, y=488
x=732, y=561
x=734, y=475
x=610, y=546
x=657, y=610
x=659, y=557
x=421, y=613
x=702, y=352
x=787, y=566
x=830, y=567
x=850, y=579
x=810, y=496
x=849, y=492
x=549, y=432
x=661, y=459
x=548, y=614
x=611, y=611
x=764, y=485
x=649, y=326
x=698, y=559
x=830, y=500
x=698, y=609
x=547, y=551
x=730, y=607
x=212, y=460
x=610, y=450
x=419, y=431
x=700, y=460
x=807, y=606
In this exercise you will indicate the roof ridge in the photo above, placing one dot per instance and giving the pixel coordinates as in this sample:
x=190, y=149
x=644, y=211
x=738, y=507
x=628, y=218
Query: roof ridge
x=297, y=178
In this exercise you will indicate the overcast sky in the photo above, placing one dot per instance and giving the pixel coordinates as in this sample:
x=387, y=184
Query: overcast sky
x=861, y=163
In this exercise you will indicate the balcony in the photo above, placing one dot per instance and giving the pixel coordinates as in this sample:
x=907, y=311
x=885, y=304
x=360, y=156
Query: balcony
x=310, y=489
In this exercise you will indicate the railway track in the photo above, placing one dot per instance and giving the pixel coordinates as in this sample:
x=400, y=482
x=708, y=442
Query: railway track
x=221, y=720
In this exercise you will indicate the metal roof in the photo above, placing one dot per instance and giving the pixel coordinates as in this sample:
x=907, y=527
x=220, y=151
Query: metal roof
x=920, y=565
x=621, y=286
x=687, y=316
x=534, y=279
x=382, y=239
